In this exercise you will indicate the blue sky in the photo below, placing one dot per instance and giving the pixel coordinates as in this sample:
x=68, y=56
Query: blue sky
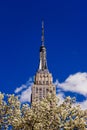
x=65, y=40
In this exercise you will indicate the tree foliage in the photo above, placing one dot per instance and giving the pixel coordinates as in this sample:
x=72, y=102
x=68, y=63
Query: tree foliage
x=43, y=115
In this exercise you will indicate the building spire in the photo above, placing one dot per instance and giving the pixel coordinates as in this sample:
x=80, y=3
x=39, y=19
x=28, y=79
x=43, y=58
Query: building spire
x=43, y=59
x=42, y=37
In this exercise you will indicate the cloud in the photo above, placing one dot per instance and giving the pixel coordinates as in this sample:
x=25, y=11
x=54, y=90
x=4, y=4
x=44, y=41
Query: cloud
x=26, y=95
x=25, y=91
x=83, y=104
x=20, y=88
x=61, y=97
x=74, y=83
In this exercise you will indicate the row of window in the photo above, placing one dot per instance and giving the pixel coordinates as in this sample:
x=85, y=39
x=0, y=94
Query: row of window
x=40, y=90
x=44, y=82
x=45, y=76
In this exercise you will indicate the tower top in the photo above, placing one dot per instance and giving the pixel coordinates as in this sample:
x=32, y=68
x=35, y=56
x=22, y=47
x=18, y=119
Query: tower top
x=43, y=59
x=42, y=36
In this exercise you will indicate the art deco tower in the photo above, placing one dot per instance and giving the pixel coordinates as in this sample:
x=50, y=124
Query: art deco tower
x=43, y=82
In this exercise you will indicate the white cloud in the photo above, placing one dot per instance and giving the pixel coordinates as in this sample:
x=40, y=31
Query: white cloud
x=20, y=88
x=25, y=91
x=26, y=95
x=61, y=97
x=75, y=83
x=83, y=104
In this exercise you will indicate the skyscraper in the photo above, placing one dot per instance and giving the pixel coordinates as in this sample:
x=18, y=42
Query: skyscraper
x=43, y=82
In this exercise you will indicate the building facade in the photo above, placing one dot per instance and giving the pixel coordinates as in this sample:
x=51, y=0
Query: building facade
x=43, y=81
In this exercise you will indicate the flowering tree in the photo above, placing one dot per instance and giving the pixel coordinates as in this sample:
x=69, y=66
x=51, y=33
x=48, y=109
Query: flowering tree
x=10, y=112
x=43, y=115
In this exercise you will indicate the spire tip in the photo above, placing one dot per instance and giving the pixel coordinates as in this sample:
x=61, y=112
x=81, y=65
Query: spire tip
x=42, y=37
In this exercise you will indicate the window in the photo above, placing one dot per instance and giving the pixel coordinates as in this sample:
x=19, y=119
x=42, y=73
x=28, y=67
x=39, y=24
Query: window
x=40, y=93
x=47, y=90
x=36, y=90
x=40, y=89
x=47, y=82
x=54, y=88
x=43, y=91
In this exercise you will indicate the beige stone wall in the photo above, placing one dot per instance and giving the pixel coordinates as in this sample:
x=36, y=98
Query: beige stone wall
x=43, y=78
x=43, y=84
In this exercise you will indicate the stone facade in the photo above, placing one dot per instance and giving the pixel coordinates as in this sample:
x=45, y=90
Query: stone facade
x=43, y=82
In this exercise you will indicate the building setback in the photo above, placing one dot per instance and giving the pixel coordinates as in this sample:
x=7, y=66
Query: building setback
x=43, y=81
